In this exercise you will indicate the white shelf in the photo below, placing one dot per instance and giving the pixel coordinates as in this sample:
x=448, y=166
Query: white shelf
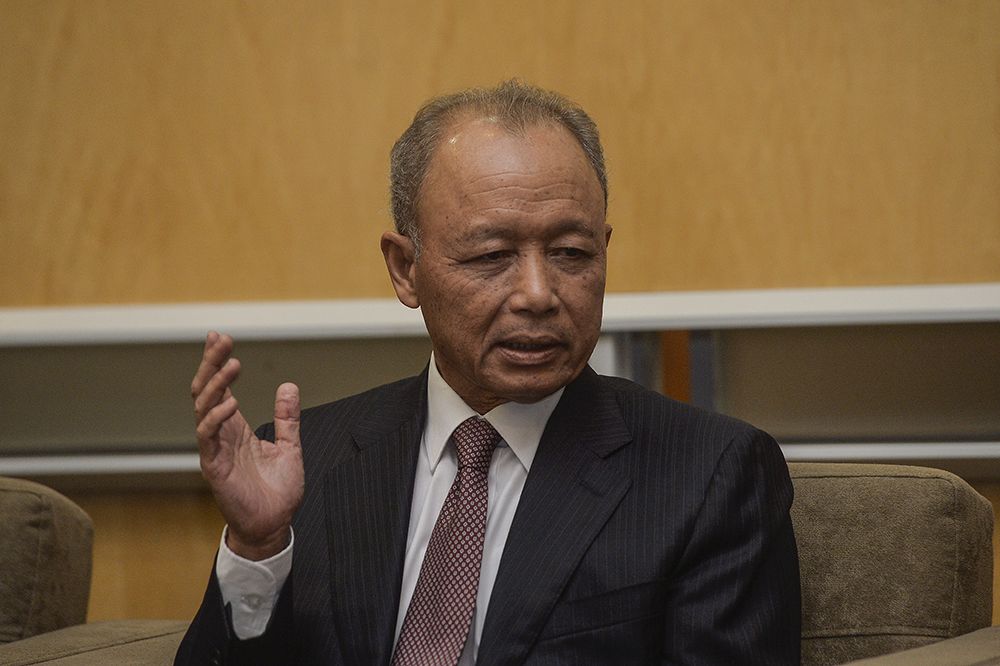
x=380, y=318
x=756, y=308
x=143, y=463
x=899, y=452
x=111, y=463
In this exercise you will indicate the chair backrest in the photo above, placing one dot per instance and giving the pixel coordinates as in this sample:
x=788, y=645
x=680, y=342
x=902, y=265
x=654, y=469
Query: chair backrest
x=46, y=546
x=891, y=557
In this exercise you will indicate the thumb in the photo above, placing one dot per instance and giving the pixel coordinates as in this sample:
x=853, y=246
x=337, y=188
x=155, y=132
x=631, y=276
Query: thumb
x=286, y=415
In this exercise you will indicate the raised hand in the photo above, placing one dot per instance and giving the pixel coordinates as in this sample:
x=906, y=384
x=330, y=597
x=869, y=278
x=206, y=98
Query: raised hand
x=257, y=484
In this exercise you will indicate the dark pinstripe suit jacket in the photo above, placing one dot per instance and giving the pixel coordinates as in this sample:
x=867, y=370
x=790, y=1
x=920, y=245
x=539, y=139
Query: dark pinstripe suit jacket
x=647, y=532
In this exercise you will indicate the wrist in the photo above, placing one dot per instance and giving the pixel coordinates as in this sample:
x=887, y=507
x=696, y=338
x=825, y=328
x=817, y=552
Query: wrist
x=256, y=550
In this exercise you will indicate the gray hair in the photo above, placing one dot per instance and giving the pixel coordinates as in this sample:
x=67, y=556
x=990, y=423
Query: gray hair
x=515, y=105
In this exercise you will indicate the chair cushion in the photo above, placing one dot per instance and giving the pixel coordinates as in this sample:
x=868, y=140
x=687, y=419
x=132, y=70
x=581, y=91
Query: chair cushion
x=100, y=644
x=891, y=557
x=45, y=560
x=980, y=648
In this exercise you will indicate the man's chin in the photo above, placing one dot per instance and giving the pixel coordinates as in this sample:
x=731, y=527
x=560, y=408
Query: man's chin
x=528, y=387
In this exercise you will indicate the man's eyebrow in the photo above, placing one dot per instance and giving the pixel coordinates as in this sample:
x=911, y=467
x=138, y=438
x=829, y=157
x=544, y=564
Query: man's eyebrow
x=502, y=231
x=571, y=226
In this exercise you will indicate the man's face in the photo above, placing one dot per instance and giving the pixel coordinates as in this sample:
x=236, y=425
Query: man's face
x=512, y=267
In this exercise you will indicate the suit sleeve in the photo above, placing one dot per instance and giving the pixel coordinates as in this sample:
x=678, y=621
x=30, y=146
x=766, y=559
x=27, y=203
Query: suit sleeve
x=735, y=596
x=211, y=640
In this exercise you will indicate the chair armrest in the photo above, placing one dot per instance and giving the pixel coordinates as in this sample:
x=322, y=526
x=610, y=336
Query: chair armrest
x=100, y=644
x=45, y=560
x=977, y=648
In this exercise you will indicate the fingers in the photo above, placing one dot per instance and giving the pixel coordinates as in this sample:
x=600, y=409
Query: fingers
x=208, y=427
x=217, y=389
x=286, y=415
x=217, y=351
x=215, y=375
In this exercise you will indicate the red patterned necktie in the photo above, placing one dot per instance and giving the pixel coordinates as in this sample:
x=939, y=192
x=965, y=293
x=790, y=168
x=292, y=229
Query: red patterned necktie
x=440, y=613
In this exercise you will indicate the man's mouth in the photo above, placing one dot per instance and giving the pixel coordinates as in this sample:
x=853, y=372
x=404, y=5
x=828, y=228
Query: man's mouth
x=527, y=346
x=530, y=352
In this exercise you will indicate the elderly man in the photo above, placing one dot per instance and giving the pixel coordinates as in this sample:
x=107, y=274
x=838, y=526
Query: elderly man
x=508, y=505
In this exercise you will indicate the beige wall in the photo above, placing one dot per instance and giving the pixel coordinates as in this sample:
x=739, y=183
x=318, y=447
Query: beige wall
x=190, y=150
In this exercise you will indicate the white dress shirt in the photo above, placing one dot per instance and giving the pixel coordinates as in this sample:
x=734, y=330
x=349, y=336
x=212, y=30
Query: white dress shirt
x=252, y=587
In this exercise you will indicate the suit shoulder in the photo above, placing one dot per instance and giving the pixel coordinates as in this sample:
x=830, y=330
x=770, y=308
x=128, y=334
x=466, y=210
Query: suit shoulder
x=645, y=405
x=695, y=443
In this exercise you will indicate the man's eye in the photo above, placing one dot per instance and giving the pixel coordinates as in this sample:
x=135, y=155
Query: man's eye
x=490, y=257
x=571, y=253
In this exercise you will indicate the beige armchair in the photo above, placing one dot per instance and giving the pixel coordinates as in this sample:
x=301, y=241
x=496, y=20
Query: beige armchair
x=893, y=559
x=45, y=560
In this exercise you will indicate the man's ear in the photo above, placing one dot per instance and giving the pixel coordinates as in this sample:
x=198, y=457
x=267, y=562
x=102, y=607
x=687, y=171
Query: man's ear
x=607, y=234
x=400, y=259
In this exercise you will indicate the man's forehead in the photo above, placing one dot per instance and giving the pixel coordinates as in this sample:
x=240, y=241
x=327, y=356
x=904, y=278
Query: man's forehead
x=483, y=166
x=490, y=150
x=514, y=228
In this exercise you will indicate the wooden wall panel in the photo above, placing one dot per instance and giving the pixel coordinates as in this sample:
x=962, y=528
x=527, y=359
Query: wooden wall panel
x=191, y=151
x=153, y=552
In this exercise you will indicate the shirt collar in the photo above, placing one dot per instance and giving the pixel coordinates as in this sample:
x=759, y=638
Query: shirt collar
x=519, y=424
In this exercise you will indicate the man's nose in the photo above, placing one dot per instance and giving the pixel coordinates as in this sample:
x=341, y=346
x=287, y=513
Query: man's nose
x=535, y=287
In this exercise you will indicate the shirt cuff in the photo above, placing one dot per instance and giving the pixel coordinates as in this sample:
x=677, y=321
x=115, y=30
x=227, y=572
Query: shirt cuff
x=251, y=588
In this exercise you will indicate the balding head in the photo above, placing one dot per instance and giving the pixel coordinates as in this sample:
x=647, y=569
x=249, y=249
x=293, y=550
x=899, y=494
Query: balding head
x=513, y=105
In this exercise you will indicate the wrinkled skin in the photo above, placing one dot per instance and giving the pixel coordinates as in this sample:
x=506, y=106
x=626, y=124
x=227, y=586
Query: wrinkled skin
x=511, y=273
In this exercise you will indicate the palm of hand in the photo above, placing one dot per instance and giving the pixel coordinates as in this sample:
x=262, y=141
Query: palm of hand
x=258, y=484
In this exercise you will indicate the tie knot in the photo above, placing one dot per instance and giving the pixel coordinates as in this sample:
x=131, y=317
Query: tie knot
x=475, y=440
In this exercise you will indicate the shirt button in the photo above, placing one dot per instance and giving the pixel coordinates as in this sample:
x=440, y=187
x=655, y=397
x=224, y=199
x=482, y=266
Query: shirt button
x=252, y=601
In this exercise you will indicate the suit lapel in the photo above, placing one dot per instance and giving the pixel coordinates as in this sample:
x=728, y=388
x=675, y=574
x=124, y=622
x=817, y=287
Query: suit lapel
x=368, y=512
x=569, y=495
